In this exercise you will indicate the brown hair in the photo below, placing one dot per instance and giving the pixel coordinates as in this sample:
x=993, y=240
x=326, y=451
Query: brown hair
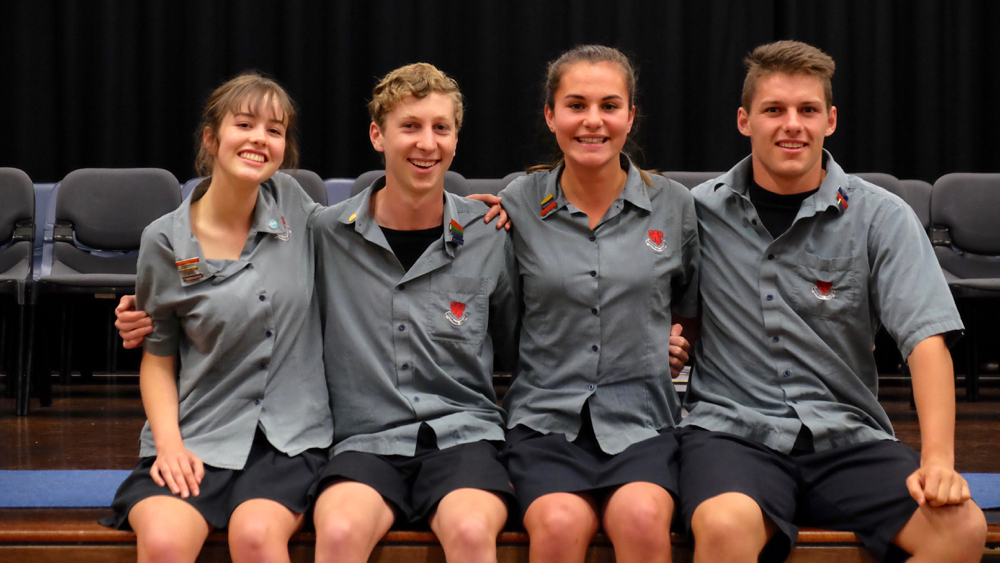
x=418, y=80
x=787, y=57
x=256, y=93
x=593, y=54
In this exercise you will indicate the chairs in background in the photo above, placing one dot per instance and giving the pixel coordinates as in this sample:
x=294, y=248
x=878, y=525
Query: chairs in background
x=964, y=213
x=453, y=182
x=99, y=218
x=17, y=215
x=309, y=180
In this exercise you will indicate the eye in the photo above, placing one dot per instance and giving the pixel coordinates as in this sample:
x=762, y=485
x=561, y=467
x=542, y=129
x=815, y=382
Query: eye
x=575, y=105
x=610, y=106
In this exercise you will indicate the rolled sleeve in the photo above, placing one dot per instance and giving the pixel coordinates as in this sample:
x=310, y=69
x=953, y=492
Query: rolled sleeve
x=155, y=292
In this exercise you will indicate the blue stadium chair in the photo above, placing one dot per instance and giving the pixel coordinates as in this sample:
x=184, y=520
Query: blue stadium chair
x=17, y=215
x=309, y=180
x=338, y=189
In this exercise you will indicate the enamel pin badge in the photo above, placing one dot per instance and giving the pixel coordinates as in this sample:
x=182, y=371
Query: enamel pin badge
x=655, y=241
x=548, y=204
x=457, y=315
x=457, y=235
x=283, y=237
x=188, y=269
x=842, y=198
x=824, y=290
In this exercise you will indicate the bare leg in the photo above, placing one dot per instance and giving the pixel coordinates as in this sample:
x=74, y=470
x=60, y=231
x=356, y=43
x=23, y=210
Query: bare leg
x=350, y=520
x=259, y=530
x=560, y=527
x=951, y=533
x=168, y=530
x=467, y=522
x=637, y=520
x=730, y=527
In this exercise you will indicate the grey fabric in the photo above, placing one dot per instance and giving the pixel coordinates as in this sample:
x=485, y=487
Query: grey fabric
x=597, y=307
x=453, y=182
x=691, y=179
x=788, y=325
x=109, y=208
x=485, y=186
x=311, y=183
x=918, y=195
x=17, y=201
x=884, y=181
x=338, y=189
x=506, y=180
x=969, y=205
x=405, y=348
x=247, y=330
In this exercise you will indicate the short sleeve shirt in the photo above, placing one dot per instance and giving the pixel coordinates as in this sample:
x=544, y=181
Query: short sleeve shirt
x=597, y=306
x=247, y=331
x=405, y=348
x=788, y=324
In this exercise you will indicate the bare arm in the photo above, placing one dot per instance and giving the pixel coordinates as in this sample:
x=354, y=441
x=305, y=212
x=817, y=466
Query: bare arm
x=132, y=325
x=936, y=482
x=175, y=466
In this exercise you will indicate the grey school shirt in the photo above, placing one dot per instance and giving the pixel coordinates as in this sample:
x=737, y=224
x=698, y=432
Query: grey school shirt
x=597, y=306
x=247, y=330
x=788, y=325
x=403, y=348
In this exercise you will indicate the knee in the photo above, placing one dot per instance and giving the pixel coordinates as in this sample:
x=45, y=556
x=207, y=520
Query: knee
x=643, y=521
x=473, y=533
x=559, y=523
x=251, y=539
x=735, y=525
x=159, y=545
x=340, y=534
x=968, y=533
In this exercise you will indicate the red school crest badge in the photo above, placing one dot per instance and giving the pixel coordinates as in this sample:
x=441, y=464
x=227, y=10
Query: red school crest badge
x=824, y=290
x=655, y=241
x=457, y=315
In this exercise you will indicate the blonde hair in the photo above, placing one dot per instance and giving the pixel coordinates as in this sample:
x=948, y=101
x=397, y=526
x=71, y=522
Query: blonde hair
x=593, y=54
x=787, y=57
x=418, y=80
x=248, y=91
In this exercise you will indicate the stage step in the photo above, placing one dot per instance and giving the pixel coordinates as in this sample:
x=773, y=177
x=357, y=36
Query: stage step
x=73, y=535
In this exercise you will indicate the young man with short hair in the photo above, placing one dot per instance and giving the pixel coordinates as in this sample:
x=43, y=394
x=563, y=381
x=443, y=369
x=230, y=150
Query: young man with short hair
x=801, y=263
x=417, y=293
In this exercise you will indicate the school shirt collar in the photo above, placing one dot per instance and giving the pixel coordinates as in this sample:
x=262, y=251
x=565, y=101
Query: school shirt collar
x=634, y=191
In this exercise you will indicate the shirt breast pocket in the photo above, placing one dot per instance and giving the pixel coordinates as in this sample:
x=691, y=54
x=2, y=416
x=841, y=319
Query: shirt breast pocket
x=457, y=308
x=824, y=287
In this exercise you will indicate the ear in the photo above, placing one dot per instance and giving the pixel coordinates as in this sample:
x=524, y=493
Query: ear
x=209, y=142
x=375, y=134
x=831, y=121
x=548, y=117
x=631, y=119
x=743, y=121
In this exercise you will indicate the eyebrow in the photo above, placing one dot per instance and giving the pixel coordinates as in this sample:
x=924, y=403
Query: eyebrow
x=581, y=97
x=254, y=115
x=410, y=116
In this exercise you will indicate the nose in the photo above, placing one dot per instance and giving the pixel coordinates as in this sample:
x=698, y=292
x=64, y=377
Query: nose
x=793, y=123
x=425, y=139
x=592, y=118
x=258, y=135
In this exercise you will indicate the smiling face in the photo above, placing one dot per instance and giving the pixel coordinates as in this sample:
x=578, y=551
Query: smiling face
x=787, y=124
x=590, y=114
x=250, y=146
x=418, y=141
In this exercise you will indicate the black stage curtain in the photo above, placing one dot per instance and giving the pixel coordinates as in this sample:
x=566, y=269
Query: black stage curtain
x=120, y=83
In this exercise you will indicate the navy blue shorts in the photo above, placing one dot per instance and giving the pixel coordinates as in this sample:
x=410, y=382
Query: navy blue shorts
x=268, y=474
x=858, y=488
x=541, y=464
x=415, y=485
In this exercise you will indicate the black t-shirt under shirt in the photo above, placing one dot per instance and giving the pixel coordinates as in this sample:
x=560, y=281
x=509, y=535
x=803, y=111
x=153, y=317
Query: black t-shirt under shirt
x=776, y=211
x=408, y=246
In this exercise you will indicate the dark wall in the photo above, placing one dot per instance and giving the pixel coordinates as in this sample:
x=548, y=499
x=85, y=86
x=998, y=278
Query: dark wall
x=120, y=83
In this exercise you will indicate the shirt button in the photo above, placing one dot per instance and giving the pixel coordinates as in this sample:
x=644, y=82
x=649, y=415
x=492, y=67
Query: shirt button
x=405, y=367
x=593, y=238
x=268, y=334
x=593, y=273
x=770, y=256
x=261, y=298
x=416, y=399
x=594, y=347
x=402, y=328
x=753, y=222
x=776, y=339
x=594, y=310
x=263, y=365
x=770, y=297
x=402, y=287
x=256, y=401
x=787, y=373
x=591, y=387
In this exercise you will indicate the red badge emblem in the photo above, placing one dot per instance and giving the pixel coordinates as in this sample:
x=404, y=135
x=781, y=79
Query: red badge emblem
x=457, y=316
x=655, y=241
x=824, y=290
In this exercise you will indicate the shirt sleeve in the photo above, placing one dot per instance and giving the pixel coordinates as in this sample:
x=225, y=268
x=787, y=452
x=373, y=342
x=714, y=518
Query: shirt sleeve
x=907, y=286
x=157, y=287
x=684, y=290
x=505, y=310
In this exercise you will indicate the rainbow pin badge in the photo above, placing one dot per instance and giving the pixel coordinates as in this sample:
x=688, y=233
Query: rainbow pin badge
x=842, y=198
x=548, y=204
x=457, y=235
x=188, y=269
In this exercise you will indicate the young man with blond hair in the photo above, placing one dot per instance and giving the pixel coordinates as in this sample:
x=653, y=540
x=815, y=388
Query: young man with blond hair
x=801, y=263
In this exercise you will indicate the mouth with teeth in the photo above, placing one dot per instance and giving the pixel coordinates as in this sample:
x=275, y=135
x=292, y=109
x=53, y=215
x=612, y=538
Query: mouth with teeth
x=252, y=156
x=791, y=144
x=423, y=163
x=592, y=140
